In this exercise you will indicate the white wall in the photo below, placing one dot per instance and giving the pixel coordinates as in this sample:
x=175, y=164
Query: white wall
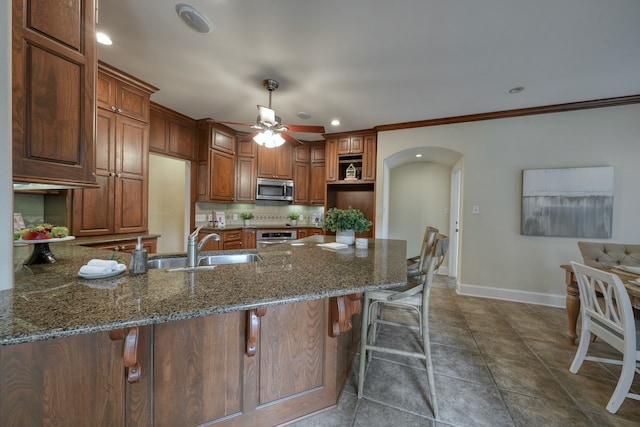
x=168, y=202
x=418, y=196
x=6, y=188
x=495, y=259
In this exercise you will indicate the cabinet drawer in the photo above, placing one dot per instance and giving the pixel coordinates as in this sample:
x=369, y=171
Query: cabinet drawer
x=230, y=236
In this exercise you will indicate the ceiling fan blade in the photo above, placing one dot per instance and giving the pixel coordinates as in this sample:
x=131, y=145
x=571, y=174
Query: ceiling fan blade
x=237, y=123
x=290, y=139
x=305, y=129
x=267, y=115
x=249, y=136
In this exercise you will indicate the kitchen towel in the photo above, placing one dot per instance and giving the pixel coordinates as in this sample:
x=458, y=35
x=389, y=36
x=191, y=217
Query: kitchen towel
x=111, y=264
x=95, y=270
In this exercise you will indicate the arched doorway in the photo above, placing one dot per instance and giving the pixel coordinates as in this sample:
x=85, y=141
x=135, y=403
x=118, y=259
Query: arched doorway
x=422, y=186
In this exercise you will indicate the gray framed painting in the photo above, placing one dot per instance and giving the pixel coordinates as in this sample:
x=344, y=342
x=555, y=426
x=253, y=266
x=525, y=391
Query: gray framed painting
x=570, y=202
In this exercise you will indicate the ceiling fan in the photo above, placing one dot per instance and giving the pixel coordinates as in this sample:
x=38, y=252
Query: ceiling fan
x=270, y=131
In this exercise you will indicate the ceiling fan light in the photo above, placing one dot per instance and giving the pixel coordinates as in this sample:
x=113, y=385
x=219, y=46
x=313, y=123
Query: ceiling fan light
x=269, y=139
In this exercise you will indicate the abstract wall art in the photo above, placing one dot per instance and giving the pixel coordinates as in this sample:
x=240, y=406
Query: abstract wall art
x=570, y=202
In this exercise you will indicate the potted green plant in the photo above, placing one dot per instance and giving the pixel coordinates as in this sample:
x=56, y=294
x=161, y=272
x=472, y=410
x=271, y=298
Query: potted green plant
x=345, y=223
x=247, y=217
x=293, y=217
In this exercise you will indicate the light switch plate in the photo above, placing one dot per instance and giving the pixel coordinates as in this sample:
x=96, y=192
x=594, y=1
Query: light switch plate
x=476, y=209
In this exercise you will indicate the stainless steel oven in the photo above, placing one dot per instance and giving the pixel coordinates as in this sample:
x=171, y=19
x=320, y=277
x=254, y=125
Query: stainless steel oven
x=266, y=238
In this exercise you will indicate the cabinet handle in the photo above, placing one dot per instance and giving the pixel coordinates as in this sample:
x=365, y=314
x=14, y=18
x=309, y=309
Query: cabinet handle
x=112, y=174
x=130, y=352
x=253, y=329
x=119, y=175
x=119, y=110
x=113, y=108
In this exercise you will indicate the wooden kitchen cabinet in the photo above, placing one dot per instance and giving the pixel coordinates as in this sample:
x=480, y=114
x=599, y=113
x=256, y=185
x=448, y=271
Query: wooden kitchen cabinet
x=275, y=162
x=120, y=203
x=351, y=145
x=171, y=133
x=53, y=101
x=369, y=158
x=331, y=159
x=72, y=381
x=216, y=169
x=317, y=175
x=249, y=238
x=205, y=362
x=116, y=94
x=231, y=240
x=259, y=367
x=358, y=150
x=246, y=171
x=211, y=245
x=150, y=244
x=301, y=174
x=198, y=370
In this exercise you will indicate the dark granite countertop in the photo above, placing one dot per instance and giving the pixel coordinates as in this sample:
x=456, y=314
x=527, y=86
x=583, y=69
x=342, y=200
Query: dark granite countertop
x=50, y=301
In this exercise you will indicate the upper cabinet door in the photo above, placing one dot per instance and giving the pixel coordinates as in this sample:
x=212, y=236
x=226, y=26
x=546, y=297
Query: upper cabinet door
x=120, y=97
x=53, y=78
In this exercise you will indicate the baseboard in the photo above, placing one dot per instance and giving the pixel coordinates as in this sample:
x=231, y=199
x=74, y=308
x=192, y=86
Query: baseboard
x=512, y=295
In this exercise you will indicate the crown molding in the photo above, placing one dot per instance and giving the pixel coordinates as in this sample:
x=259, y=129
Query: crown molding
x=545, y=109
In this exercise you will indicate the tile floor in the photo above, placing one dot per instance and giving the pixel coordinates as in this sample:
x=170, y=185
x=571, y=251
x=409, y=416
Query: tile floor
x=496, y=363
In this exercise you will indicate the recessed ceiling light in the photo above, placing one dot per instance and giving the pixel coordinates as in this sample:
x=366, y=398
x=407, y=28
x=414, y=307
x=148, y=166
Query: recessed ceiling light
x=104, y=39
x=516, y=89
x=335, y=122
x=303, y=115
x=418, y=155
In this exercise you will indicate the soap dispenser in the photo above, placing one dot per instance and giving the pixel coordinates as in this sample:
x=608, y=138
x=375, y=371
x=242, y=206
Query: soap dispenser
x=138, y=259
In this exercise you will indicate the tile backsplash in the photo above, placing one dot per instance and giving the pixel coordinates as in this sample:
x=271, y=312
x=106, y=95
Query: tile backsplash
x=39, y=208
x=266, y=213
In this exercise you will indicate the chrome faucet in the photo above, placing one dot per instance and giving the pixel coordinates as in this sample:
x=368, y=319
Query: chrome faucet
x=194, y=247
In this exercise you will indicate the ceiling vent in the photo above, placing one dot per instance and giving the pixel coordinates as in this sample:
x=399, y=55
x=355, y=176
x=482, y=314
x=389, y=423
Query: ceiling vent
x=194, y=18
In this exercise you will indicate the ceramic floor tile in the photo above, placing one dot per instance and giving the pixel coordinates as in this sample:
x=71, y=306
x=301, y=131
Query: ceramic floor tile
x=501, y=376
x=460, y=363
x=488, y=323
x=561, y=357
x=538, y=332
x=509, y=346
x=527, y=377
x=463, y=403
x=592, y=394
x=372, y=413
x=399, y=386
x=452, y=336
x=343, y=415
x=531, y=411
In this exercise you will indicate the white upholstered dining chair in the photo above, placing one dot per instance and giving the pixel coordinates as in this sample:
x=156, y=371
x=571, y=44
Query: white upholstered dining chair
x=610, y=318
x=413, y=297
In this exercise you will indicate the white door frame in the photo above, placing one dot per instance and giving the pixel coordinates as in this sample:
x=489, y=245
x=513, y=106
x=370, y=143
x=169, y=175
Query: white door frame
x=454, y=220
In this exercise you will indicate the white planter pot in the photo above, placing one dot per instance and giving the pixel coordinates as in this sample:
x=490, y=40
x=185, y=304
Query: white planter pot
x=346, y=236
x=294, y=222
x=247, y=222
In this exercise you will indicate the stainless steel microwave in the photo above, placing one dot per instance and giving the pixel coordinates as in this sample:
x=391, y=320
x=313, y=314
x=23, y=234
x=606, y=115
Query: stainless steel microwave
x=274, y=189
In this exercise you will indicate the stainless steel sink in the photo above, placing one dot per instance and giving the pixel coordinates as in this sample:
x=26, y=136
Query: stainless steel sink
x=175, y=263
x=228, y=259
x=168, y=262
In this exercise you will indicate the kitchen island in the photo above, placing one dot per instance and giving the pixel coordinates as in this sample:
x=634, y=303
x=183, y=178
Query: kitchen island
x=258, y=343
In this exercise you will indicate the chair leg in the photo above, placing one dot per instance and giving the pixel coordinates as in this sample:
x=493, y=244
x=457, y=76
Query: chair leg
x=624, y=384
x=426, y=343
x=583, y=346
x=363, y=344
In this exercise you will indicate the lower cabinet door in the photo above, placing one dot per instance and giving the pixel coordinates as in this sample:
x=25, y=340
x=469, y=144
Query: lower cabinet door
x=197, y=370
x=73, y=381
